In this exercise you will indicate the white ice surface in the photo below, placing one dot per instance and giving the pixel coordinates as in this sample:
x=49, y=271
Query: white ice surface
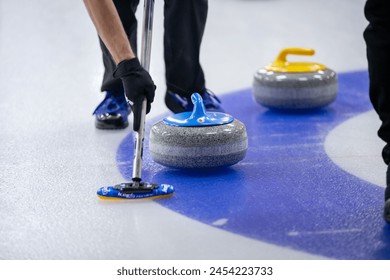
x=361, y=154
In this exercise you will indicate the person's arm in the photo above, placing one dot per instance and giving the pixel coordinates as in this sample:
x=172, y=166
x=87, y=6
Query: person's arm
x=137, y=82
x=110, y=29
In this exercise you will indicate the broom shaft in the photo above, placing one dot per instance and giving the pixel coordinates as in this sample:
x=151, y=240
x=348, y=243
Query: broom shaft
x=146, y=45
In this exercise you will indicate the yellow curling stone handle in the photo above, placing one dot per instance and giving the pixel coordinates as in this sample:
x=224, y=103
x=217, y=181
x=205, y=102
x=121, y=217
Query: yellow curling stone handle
x=282, y=65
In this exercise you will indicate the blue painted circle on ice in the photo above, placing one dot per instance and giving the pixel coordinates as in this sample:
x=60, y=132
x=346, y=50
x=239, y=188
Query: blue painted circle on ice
x=286, y=191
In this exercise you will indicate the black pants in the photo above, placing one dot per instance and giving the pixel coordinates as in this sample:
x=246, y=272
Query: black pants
x=377, y=37
x=184, y=23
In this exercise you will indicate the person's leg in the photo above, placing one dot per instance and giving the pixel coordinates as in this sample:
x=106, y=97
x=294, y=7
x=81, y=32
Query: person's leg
x=377, y=37
x=112, y=112
x=184, y=25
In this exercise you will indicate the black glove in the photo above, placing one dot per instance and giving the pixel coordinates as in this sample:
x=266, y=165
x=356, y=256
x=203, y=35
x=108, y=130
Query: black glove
x=138, y=85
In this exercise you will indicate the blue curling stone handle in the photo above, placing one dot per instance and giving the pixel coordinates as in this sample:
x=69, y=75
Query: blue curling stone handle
x=199, y=116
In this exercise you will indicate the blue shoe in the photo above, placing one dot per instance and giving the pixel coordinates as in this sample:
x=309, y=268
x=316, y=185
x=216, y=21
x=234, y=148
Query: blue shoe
x=112, y=112
x=178, y=104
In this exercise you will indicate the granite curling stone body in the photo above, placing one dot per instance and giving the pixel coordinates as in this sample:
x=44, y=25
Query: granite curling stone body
x=295, y=85
x=198, y=139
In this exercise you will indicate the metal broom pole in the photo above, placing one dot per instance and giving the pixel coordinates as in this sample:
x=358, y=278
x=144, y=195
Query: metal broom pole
x=146, y=44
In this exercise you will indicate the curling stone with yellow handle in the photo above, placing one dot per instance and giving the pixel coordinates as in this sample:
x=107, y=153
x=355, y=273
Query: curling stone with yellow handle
x=295, y=85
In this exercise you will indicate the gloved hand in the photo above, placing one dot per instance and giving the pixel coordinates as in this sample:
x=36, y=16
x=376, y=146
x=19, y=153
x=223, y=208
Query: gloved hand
x=138, y=85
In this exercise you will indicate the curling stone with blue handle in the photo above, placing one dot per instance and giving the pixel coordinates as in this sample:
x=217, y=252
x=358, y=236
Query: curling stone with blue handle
x=295, y=85
x=198, y=139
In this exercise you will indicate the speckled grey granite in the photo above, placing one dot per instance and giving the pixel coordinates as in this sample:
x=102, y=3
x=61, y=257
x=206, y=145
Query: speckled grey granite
x=198, y=147
x=295, y=90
